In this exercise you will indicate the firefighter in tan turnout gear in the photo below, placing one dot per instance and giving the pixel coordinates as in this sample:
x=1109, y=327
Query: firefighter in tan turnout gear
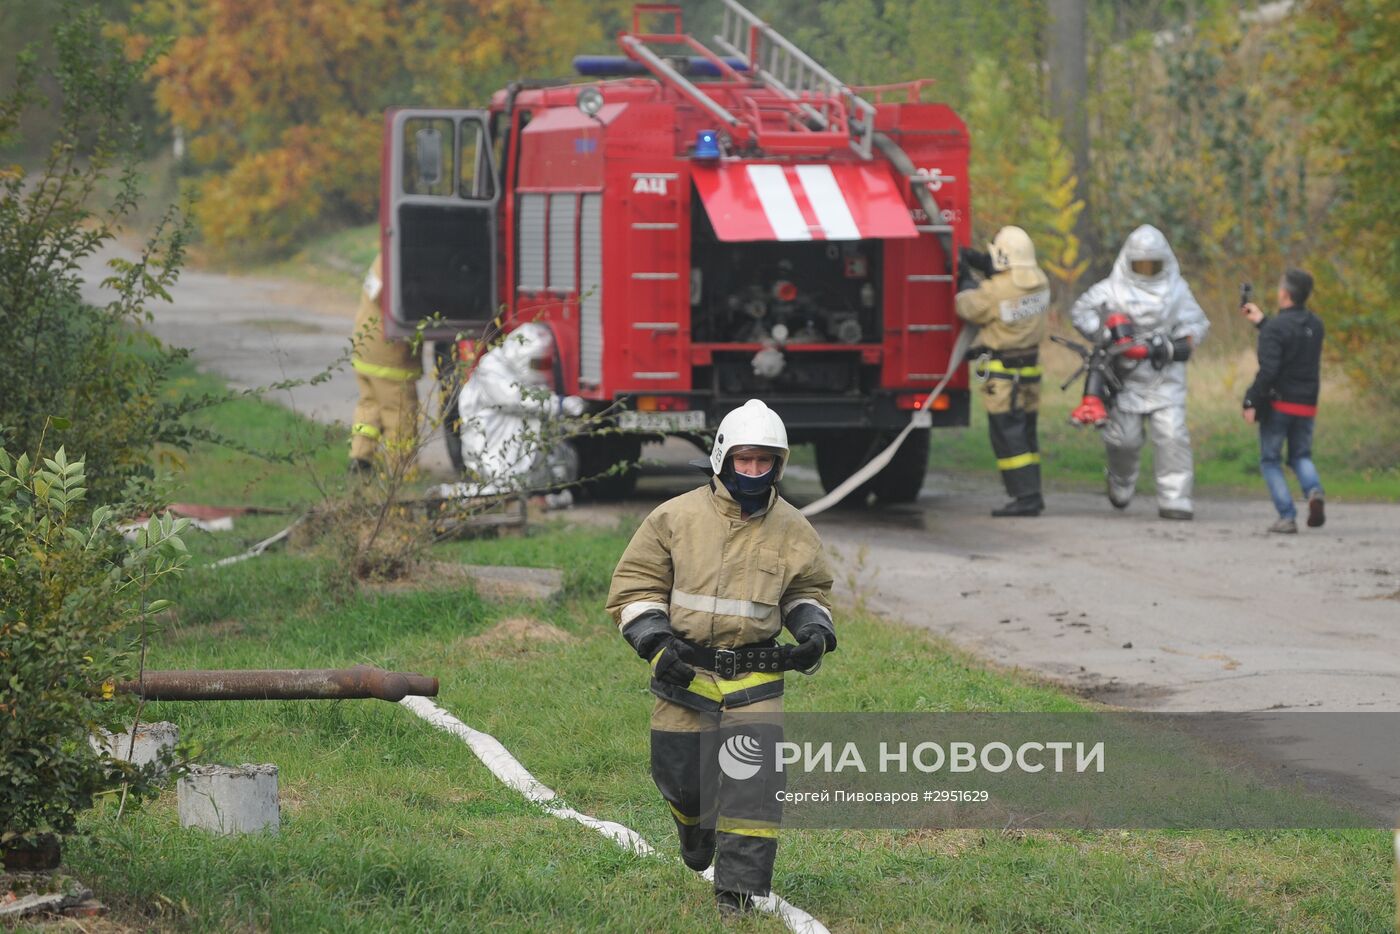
x=1009, y=308
x=701, y=593
x=386, y=372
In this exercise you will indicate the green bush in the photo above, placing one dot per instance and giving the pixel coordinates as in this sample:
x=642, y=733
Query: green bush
x=94, y=366
x=73, y=620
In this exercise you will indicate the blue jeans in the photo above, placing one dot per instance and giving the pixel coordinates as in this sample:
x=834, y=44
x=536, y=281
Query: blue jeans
x=1274, y=429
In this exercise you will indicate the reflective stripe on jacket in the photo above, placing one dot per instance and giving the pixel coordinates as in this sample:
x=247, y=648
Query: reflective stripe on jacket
x=374, y=355
x=723, y=580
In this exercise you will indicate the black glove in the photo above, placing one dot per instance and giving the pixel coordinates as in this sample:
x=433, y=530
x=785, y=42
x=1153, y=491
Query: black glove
x=651, y=637
x=976, y=259
x=809, y=621
x=1159, y=351
x=806, y=655
x=669, y=666
x=648, y=632
x=966, y=280
x=1162, y=351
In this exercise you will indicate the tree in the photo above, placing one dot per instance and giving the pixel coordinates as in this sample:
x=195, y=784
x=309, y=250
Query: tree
x=1069, y=88
x=1350, y=75
x=1021, y=172
x=1196, y=132
x=283, y=103
x=31, y=24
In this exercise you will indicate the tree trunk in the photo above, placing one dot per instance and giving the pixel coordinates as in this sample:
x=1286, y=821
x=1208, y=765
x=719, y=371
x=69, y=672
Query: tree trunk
x=1069, y=92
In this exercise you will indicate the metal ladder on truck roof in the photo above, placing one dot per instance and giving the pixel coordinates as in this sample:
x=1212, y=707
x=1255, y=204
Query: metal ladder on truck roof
x=807, y=109
x=793, y=73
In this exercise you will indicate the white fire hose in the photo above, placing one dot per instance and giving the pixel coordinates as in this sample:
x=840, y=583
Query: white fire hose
x=508, y=770
x=901, y=161
x=879, y=462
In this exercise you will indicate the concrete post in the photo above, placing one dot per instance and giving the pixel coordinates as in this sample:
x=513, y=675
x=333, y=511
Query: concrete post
x=230, y=799
x=153, y=740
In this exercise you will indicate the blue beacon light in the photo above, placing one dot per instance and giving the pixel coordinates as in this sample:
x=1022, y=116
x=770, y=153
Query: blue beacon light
x=706, y=145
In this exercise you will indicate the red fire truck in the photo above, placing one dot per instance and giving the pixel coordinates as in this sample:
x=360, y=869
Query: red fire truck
x=697, y=225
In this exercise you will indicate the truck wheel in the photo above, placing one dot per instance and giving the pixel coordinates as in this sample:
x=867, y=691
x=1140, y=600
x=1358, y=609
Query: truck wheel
x=903, y=476
x=453, y=440
x=448, y=388
x=597, y=454
x=841, y=454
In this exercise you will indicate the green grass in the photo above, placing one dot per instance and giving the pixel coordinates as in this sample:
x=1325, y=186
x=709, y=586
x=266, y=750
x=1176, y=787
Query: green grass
x=1356, y=445
x=221, y=475
x=389, y=824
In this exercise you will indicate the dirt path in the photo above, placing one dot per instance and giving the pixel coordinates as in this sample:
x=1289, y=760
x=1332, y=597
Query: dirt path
x=1207, y=615
x=256, y=332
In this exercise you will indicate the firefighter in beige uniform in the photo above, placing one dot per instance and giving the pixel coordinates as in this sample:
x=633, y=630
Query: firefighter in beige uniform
x=387, y=373
x=1009, y=307
x=701, y=592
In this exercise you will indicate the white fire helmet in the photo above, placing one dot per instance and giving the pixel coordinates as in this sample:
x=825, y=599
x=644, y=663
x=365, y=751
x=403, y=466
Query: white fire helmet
x=1012, y=249
x=752, y=424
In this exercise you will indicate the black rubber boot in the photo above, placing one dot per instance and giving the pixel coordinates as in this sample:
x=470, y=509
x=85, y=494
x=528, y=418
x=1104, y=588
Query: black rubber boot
x=697, y=846
x=1022, y=506
x=733, y=904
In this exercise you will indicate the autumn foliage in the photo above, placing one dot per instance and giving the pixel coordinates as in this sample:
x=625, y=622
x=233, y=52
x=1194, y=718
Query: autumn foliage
x=1252, y=142
x=281, y=103
x=1349, y=68
x=1021, y=173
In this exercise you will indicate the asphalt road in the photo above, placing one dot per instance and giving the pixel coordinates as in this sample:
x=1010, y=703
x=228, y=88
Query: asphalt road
x=257, y=332
x=1123, y=607
x=1139, y=612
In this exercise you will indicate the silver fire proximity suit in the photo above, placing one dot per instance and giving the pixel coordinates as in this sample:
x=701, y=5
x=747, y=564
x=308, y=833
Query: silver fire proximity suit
x=1151, y=399
x=505, y=407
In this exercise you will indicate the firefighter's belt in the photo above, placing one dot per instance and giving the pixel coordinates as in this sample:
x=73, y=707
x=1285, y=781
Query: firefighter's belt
x=996, y=369
x=379, y=371
x=1019, y=366
x=730, y=663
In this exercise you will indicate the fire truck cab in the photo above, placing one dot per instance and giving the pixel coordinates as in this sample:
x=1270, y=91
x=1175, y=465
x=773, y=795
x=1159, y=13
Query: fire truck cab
x=696, y=228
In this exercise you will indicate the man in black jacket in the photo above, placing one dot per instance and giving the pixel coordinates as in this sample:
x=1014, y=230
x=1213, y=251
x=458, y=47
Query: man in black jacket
x=1282, y=400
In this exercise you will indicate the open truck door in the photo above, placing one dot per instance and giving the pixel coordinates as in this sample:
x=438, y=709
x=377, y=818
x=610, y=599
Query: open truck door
x=439, y=192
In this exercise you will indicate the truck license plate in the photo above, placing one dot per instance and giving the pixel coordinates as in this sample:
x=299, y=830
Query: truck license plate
x=662, y=421
x=923, y=419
